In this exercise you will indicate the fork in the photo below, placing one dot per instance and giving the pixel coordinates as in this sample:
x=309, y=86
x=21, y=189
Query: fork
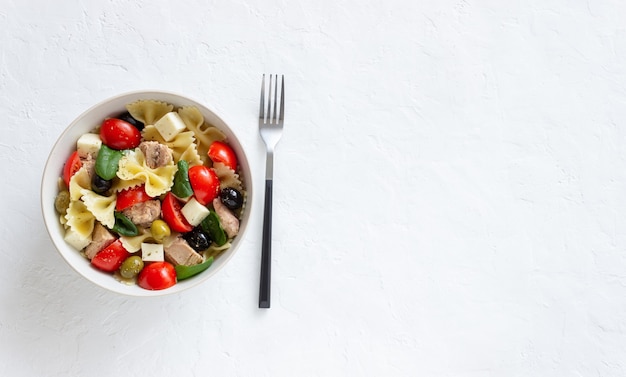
x=270, y=128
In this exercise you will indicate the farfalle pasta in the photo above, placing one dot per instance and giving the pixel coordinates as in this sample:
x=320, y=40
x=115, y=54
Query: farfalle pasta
x=216, y=250
x=133, y=167
x=228, y=177
x=79, y=182
x=122, y=185
x=133, y=244
x=101, y=207
x=79, y=219
x=205, y=134
x=155, y=187
x=148, y=111
x=183, y=145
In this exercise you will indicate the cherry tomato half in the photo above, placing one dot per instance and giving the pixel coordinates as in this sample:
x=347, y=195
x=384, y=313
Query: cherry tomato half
x=222, y=152
x=171, y=211
x=157, y=276
x=111, y=257
x=72, y=165
x=129, y=197
x=205, y=183
x=118, y=134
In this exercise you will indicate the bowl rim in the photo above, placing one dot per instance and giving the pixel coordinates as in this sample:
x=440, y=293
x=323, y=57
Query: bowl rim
x=51, y=217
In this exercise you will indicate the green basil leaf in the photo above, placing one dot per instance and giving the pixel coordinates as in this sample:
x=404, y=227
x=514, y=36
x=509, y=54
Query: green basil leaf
x=123, y=226
x=107, y=162
x=182, y=186
x=211, y=224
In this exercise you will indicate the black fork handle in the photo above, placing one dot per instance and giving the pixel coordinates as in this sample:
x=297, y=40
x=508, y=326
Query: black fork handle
x=266, y=249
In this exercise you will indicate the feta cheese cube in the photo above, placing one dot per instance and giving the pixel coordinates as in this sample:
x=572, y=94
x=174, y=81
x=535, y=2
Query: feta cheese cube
x=152, y=252
x=170, y=125
x=74, y=238
x=194, y=212
x=88, y=144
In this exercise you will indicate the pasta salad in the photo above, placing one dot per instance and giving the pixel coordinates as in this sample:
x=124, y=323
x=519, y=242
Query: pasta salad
x=151, y=196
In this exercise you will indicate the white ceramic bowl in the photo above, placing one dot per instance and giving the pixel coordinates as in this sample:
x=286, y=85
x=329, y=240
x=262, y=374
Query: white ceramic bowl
x=67, y=143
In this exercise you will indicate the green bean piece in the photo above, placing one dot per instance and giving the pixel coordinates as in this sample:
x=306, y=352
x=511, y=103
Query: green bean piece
x=185, y=272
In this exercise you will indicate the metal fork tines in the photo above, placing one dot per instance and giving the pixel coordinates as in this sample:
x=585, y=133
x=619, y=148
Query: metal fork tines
x=271, y=128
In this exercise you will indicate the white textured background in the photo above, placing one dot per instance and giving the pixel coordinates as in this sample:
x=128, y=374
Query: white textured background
x=450, y=189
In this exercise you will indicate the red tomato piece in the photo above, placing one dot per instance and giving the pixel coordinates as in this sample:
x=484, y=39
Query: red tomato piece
x=222, y=152
x=72, y=165
x=131, y=196
x=205, y=183
x=111, y=257
x=118, y=134
x=157, y=276
x=171, y=211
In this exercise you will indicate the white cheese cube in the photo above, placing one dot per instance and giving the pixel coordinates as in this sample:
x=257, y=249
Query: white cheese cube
x=76, y=239
x=194, y=212
x=152, y=252
x=170, y=125
x=88, y=144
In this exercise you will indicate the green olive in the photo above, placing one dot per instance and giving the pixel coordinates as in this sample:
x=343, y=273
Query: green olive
x=159, y=230
x=62, y=201
x=131, y=267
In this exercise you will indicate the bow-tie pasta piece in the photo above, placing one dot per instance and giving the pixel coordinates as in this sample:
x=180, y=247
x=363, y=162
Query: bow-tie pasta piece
x=148, y=111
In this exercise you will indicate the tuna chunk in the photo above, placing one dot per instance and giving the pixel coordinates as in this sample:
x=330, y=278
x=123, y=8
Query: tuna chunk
x=101, y=238
x=90, y=164
x=229, y=222
x=143, y=214
x=157, y=154
x=179, y=252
